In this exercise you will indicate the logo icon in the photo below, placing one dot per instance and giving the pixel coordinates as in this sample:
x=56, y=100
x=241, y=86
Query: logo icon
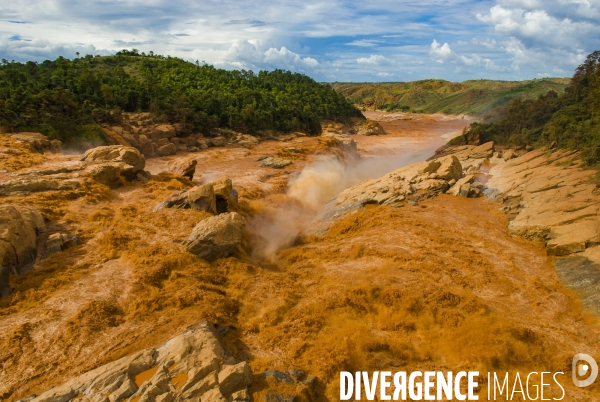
x=589, y=367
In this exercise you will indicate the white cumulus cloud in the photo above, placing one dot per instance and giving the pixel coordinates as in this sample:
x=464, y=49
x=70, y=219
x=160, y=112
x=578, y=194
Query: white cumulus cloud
x=441, y=51
x=374, y=59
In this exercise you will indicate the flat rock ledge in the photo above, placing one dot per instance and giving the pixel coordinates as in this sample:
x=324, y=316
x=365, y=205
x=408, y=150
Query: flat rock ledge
x=190, y=367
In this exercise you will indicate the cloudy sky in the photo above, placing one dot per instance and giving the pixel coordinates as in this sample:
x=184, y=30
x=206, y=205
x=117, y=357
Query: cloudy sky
x=330, y=40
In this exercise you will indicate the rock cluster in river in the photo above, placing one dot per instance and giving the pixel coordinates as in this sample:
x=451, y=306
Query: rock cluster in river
x=546, y=193
x=218, y=236
x=193, y=366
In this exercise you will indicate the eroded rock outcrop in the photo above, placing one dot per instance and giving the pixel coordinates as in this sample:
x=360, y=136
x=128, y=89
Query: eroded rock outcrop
x=551, y=198
x=20, y=230
x=217, y=237
x=190, y=367
x=39, y=142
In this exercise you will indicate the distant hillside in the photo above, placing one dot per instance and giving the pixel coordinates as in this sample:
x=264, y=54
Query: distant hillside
x=569, y=120
x=65, y=99
x=475, y=97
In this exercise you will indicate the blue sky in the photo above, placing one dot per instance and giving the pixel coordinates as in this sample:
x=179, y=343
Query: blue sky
x=329, y=40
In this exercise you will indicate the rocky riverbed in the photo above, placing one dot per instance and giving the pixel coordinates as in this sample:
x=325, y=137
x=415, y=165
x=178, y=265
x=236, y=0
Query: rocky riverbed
x=140, y=277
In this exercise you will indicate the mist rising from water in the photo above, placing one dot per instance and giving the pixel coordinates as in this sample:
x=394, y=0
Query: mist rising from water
x=311, y=189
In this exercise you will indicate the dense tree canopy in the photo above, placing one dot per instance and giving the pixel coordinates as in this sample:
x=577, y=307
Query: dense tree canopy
x=572, y=119
x=65, y=98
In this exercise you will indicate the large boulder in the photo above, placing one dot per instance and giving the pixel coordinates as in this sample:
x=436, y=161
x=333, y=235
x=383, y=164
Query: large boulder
x=111, y=165
x=185, y=167
x=116, y=153
x=189, y=367
x=217, y=237
x=20, y=229
x=450, y=168
x=111, y=174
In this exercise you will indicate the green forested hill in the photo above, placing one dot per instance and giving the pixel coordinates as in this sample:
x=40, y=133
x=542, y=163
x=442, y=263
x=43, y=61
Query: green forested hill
x=66, y=98
x=475, y=97
x=571, y=119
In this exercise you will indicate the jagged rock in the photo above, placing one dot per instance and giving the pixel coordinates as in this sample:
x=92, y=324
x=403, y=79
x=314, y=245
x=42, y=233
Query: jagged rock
x=218, y=141
x=482, y=151
x=58, y=242
x=200, y=198
x=450, y=169
x=216, y=237
x=455, y=189
x=185, y=167
x=20, y=230
x=465, y=190
x=38, y=141
x=225, y=195
x=26, y=186
x=370, y=127
x=167, y=150
x=276, y=163
x=197, y=353
x=163, y=141
x=234, y=378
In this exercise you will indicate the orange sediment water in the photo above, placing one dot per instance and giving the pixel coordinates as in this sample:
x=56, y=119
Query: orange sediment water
x=439, y=286
x=144, y=376
x=179, y=380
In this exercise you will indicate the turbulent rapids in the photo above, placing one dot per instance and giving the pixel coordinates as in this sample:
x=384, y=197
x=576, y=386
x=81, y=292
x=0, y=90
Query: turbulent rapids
x=283, y=262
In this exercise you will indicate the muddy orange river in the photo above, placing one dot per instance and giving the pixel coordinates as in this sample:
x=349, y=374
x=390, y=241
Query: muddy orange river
x=438, y=286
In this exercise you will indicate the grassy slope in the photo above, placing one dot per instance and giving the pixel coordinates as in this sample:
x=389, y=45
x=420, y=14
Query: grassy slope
x=475, y=97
